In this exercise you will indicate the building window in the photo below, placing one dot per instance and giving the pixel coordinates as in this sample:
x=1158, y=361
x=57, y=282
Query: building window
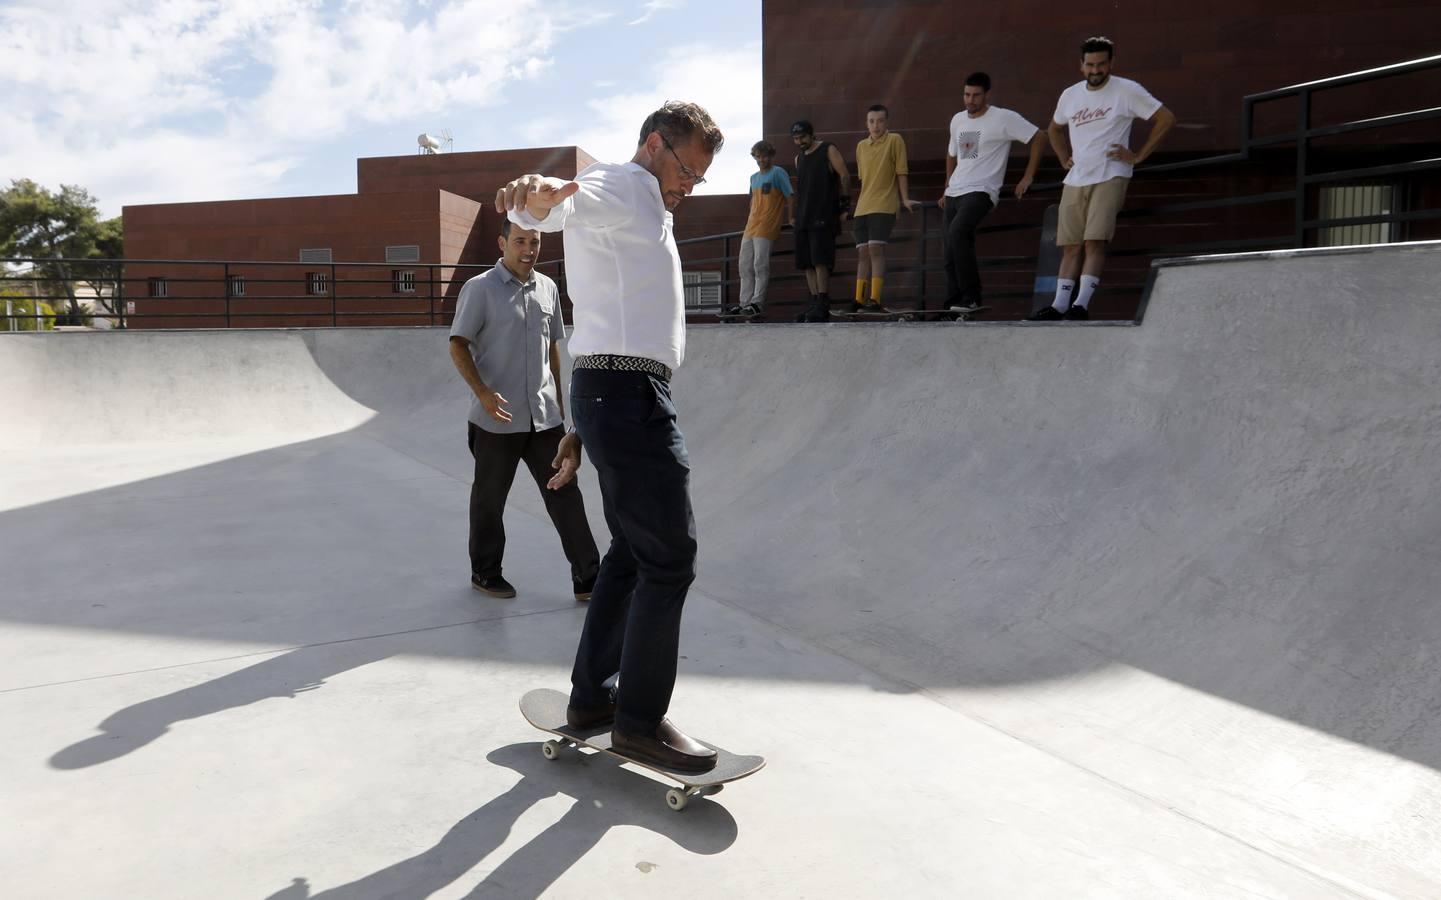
x=402, y=281
x=702, y=291
x=403, y=253
x=1354, y=201
x=237, y=285
x=317, y=283
x=319, y=255
x=158, y=287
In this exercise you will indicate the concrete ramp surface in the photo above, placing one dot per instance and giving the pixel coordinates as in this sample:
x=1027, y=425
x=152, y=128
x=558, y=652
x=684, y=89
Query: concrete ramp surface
x=1012, y=610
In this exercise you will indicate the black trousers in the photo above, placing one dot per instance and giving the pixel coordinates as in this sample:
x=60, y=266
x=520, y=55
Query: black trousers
x=496, y=456
x=627, y=423
x=963, y=275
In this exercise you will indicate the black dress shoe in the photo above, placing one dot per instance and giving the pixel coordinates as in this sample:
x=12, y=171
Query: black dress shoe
x=594, y=719
x=669, y=748
x=584, y=587
x=495, y=586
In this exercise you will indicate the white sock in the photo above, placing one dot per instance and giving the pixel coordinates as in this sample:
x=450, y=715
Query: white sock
x=1088, y=287
x=1064, y=289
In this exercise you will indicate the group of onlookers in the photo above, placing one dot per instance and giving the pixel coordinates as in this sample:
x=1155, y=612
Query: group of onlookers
x=1089, y=131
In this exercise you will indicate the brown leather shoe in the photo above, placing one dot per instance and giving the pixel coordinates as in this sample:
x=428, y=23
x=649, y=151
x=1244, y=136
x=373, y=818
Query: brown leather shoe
x=594, y=719
x=668, y=748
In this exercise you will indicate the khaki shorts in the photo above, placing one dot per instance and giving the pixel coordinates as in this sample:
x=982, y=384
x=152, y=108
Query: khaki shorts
x=1088, y=212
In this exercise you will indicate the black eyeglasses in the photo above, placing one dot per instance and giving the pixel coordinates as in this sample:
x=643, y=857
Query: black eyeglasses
x=686, y=171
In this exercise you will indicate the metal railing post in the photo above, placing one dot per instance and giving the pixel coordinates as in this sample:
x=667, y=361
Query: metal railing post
x=725, y=274
x=1303, y=139
x=334, y=298
x=226, y=276
x=430, y=274
x=925, y=239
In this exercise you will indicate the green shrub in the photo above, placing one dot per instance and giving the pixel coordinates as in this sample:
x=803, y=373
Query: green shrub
x=23, y=307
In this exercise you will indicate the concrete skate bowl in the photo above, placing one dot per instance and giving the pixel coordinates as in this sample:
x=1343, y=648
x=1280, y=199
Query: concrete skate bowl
x=1196, y=557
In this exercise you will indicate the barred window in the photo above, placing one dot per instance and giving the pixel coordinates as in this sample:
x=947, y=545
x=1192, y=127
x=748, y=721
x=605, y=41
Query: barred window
x=317, y=283
x=158, y=287
x=402, y=281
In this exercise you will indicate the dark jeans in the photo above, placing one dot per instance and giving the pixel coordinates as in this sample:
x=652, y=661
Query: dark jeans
x=963, y=275
x=496, y=456
x=627, y=423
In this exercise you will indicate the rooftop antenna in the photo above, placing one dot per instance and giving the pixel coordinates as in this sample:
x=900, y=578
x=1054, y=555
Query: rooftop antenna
x=447, y=140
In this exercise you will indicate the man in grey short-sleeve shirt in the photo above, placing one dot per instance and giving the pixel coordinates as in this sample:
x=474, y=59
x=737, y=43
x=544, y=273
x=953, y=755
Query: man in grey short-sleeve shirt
x=504, y=341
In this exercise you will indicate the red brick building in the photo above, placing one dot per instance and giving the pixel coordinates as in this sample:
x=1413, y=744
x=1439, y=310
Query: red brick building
x=417, y=222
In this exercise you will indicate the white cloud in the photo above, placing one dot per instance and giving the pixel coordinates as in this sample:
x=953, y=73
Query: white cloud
x=685, y=73
x=173, y=100
x=652, y=7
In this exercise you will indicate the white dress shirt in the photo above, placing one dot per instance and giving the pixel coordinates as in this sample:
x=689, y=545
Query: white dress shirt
x=622, y=269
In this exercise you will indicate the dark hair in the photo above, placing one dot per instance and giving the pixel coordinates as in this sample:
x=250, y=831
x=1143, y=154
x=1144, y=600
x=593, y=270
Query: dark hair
x=764, y=148
x=505, y=227
x=876, y=107
x=801, y=126
x=677, y=120
x=1098, y=45
x=980, y=80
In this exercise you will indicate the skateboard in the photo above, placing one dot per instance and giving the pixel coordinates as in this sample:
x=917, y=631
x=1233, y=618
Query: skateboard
x=872, y=315
x=737, y=317
x=965, y=313
x=545, y=709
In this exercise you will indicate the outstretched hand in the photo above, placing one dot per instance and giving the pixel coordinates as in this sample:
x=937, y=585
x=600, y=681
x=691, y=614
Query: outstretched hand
x=537, y=193
x=566, y=463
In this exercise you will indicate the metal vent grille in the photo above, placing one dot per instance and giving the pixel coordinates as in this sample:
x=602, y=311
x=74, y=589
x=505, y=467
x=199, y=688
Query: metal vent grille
x=1356, y=201
x=316, y=256
x=702, y=290
x=404, y=253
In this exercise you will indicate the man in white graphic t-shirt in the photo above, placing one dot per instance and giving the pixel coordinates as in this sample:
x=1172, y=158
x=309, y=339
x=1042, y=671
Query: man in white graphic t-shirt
x=1091, y=133
x=980, y=146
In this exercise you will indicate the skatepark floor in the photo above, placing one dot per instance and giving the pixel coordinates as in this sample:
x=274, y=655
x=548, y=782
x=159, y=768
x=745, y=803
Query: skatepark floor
x=1012, y=611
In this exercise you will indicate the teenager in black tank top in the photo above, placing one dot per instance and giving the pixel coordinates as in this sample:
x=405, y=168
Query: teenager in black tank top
x=819, y=193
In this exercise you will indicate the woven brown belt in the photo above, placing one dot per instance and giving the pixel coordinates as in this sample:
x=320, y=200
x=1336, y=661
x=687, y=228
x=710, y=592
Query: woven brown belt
x=609, y=362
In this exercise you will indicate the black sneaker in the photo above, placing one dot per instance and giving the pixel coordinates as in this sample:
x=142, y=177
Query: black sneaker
x=1077, y=314
x=857, y=308
x=1045, y=314
x=730, y=311
x=820, y=312
x=495, y=586
x=750, y=309
x=584, y=587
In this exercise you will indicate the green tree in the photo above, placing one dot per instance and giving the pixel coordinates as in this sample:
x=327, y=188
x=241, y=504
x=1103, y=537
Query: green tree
x=53, y=229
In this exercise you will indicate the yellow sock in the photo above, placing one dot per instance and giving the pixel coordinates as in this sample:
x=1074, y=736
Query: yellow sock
x=860, y=290
x=876, y=290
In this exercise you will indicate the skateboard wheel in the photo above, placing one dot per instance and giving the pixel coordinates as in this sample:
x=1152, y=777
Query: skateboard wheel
x=676, y=799
x=550, y=750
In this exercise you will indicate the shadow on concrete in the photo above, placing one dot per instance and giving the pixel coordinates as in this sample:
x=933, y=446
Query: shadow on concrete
x=606, y=796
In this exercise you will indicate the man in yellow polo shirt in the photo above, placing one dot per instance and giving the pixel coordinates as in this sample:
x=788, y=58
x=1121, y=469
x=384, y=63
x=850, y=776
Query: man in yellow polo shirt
x=885, y=190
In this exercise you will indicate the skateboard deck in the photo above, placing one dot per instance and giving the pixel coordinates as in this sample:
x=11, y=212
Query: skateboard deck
x=545, y=709
x=966, y=313
x=871, y=315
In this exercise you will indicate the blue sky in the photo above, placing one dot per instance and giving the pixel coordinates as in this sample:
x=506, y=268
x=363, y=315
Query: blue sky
x=148, y=101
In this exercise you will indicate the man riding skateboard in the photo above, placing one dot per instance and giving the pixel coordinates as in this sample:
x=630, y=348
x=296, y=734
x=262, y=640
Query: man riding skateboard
x=625, y=284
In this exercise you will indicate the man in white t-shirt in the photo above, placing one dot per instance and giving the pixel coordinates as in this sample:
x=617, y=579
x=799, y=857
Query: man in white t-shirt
x=980, y=146
x=1091, y=133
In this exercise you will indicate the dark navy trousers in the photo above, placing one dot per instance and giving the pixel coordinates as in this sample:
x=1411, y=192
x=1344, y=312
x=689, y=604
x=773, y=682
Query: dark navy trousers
x=627, y=423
